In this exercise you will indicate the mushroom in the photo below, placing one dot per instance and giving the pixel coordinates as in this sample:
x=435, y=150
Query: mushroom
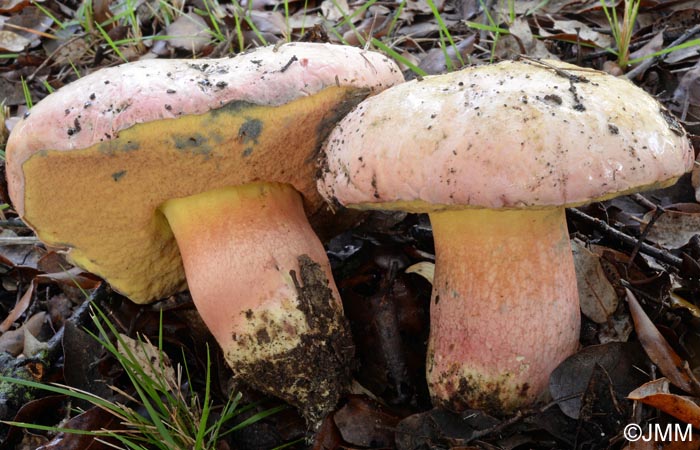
x=134, y=166
x=494, y=154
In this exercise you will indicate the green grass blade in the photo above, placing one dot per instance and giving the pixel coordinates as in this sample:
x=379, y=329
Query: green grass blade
x=693, y=43
x=27, y=93
x=487, y=27
x=110, y=42
x=398, y=57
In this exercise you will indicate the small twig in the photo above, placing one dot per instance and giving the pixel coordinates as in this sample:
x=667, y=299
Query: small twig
x=18, y=240
x=520, y=415
x=54, y=53
x=645, y=202
x=661, y=255
x=640, y=69
x=558, y=70
x=658, y=212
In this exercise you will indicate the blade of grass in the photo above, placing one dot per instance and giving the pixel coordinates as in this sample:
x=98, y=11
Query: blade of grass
x=48, y=14
x=484, y=27
x=445, y=34
x=398, y=57
x=397, y=14
x=110, y=42
x=693, y=43
x=27, y=94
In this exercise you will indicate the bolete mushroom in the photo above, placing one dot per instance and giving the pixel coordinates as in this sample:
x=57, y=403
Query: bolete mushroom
x=494, y=154
x=218, y=155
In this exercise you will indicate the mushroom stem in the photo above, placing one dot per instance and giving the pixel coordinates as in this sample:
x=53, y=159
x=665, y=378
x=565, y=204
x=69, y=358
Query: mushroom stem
x=261, y=281
x=505, y=308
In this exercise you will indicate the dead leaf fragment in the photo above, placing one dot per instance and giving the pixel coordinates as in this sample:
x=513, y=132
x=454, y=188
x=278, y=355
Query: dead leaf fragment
x=597, y=296
x=422, y=6
x=657, y=394
x=435, y=62
x=152, y=360
x=675, y=227
x=14, y=342
x=570, y=379
x=335, y=10
x=583, y=32
x=188, y=32
x=363, y=422
x=654, y=45
x=521, y=41
x=12, y=42
x=425, y=269
x=10, y=6
x=659, y=351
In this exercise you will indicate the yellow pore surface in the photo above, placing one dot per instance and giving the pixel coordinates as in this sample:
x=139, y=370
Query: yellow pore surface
x=102, y=202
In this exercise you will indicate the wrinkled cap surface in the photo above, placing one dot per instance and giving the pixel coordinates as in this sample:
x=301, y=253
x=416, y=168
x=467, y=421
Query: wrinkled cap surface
x=510, y=135
x=91, y=164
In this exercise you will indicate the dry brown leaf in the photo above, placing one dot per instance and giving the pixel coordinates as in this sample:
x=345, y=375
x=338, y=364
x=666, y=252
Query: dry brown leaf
x=657, y=394
x=422, y=6
x=12, y=42
x=334, y=10
x=301, y=21
x=373, y=26
x=269, y=22
x=597, y=296
x=676, y=226
x=19, y=309
x=68, y=47
x=681, y=54
x=582, y=32
x=678, y=302
x=73, y=277
x=654, y=45
x=365, y=423
x=659, y=351
x=521, y=41
x=13, y=341
x=188, y=32
x=617, y=329
x=571, y=379
x=31, y=23
x=435, y=61
x=152, y=360
x=687, y=98
x=11, y=6
x=689, y=86
x=419, y=29
x=32, y=345
x=20, y=255
x=425, y=269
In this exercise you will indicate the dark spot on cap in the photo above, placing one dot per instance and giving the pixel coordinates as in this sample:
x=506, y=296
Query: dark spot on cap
x=116, y=176
x=250, y=130
x=553, y=99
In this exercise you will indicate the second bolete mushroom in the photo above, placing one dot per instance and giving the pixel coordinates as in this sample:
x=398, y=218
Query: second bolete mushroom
x=494, y=154
x=133, y=167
